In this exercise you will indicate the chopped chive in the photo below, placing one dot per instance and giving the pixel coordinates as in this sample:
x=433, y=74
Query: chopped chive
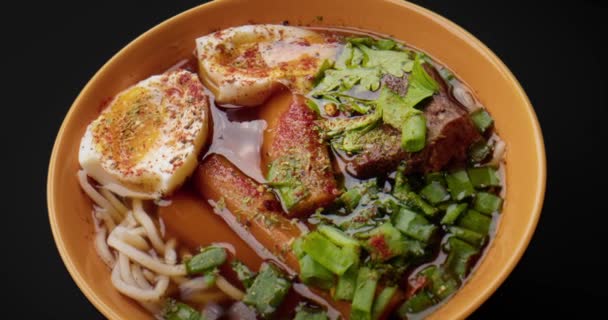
x=418, y=302
x=367, y=280
x=314, y=274
x=452, y=212
x=441, y=284
x=459, y=184
x=459, y=257
x=479, y=151
x=209, y=258
x=337, y=236
x=487, y=202
x=243, y=273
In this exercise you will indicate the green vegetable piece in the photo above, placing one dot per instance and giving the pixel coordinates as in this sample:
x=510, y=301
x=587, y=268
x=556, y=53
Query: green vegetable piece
x=413, y=200
x=418, y=302
x=305, y=314
x=314, y=274
x=385, y=44
x=321, y=72
x=312, y=105
x=435, y=192
x=441, y=284
x=296, y=246
x=243, y=273
x=337, y=236
x=459, y=184
x=483, y=177
x=414, y=225
x=358, y=57
x=435, y=177
x=413, y=133
x=344, y=79
x=382, y=301
x=385, y=242
x=208, y=259
x=336, y=126
x=345, y=288
x=388, y=61
x=345, y=57
x=395, y=112
x=421, y=84
x=351, y=198
x=267, y=291
x=473, y=220
x=367, y=280
x=482, y=120
x=487, y=203
x=459, y=257
x=180, y=311
x=284, y=177
x=452, y=213
x=474, y=238
x=479, y=151
x=328, y=254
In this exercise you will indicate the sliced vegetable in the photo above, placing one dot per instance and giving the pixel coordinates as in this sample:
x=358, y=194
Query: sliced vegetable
x=385, y=242
x=243, y=273
x=308, y=314
x=328, y=254
x=382, y=301
x=208, y=259
x=459, y=257
x=180, y=311
x=435, y=192
x=367, y=280
x=418, y=302
x=482, y=120
x=435, y=177
x=474, y=238
x=388, y=61
x=479, y=151
x=473, y=220
x=459, y=184
x=413, y=133
x=440, y=283
x=483, y=177
x=452, y=212
x=337, y=236
x=421, y=84
x=403, y=191
x=345, y=288
x=314, y=274
x=267, y=291
x=487, y=203
x=351, y=198
x=414, y=225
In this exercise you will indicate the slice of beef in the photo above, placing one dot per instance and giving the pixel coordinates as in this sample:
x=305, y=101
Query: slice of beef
x=450, y=133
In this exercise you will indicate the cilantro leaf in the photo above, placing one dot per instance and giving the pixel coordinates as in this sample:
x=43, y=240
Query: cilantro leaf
x=395, y=110
x=391, y=62
x=345, y=57
x=421, y=85
x=346, y=78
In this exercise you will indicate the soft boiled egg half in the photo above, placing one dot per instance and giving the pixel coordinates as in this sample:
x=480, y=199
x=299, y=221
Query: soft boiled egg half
x=245, y=65
x=146, y=142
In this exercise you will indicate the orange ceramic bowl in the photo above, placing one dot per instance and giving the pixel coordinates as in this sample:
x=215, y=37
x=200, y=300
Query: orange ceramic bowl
x=172, y=40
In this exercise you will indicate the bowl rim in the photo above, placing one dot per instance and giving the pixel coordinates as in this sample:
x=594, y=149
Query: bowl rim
x=470, y=39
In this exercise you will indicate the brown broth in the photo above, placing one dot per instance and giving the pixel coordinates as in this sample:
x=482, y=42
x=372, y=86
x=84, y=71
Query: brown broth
x=237, y=134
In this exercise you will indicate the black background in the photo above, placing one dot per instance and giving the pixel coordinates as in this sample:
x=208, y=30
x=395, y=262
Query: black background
x=556, y=51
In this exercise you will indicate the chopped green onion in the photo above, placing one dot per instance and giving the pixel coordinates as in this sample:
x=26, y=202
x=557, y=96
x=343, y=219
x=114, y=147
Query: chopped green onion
x=267, y=291
x=435, y=192
x=304, y=314
x=328, y=254
x=314, y=274
x=473, y=220
x=413, y=133
x=479, y=151
x=435, y=177
x=180, y=311
x=243, y=273
x=337, y=236
x=367, y=280
x=459, y=258
x=452, y=213
x=487, y=202
x=382, y=301
x=209, y=258
x=345, y=289
x=418, y=302
x=459, y=184
x=483, y=177
x=414, y=225
x=441, y=284
x=296, y=246
x=482, y=120
x=470, y=236
x=385, y=242
x=351, y=198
